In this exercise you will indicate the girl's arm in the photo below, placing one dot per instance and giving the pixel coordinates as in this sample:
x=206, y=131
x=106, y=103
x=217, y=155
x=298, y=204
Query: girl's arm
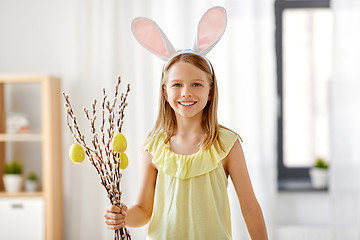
x=235, y=165
x=139, y=214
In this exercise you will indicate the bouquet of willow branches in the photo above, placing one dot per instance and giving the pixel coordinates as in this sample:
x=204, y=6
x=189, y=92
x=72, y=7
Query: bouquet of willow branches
x=106, y=151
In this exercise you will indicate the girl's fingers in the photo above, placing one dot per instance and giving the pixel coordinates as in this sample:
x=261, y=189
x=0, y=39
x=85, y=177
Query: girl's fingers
x=113, y=208
x=114, y=212
x=115, y=226
x=115, y=223
x=113, y=216
x=124, y=210
x=111, y=227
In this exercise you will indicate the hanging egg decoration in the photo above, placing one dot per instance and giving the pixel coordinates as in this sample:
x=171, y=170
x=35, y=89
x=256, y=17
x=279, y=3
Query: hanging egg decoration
x=77, y=153
x=124, y=161
x=119, y=143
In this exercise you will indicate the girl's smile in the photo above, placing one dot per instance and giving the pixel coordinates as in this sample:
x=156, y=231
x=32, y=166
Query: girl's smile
x=187, y=90
x=187, y=103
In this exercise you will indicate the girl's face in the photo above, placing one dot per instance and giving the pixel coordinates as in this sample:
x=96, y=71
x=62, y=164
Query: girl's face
x=187, y=90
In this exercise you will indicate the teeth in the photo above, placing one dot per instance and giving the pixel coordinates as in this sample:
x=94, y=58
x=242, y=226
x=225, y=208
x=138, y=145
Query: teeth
x=187, y=103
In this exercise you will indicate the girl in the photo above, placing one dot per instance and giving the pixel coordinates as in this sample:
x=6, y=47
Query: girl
x=187, y=160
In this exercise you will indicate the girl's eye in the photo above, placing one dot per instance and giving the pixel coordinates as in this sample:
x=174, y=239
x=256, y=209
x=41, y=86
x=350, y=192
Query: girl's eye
x=197, y=84
x=177, y=85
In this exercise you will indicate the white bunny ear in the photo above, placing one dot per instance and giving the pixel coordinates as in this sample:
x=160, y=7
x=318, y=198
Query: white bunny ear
x=210, y=29
x=151, y=37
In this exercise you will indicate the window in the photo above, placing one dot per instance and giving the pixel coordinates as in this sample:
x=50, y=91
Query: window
x=303, y=51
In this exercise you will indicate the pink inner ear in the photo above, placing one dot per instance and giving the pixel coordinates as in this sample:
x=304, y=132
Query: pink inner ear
x=211, y=28
x=149, y=35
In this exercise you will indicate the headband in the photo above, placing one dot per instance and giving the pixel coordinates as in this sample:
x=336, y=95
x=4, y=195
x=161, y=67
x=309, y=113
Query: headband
x=210, y=29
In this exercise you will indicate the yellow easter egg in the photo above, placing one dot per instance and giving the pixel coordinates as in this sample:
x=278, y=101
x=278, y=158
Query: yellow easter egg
x=119, y=143
x=77, y=153
x=124, y=161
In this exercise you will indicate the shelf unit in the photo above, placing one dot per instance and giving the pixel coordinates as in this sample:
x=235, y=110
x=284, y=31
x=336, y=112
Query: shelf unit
x=51, y=151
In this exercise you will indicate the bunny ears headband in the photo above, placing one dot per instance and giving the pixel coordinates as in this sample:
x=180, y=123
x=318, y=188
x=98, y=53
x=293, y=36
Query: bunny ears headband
x=210, y=29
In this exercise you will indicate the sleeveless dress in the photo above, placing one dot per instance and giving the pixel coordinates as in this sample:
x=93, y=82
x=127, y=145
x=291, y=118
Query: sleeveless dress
x=191, y=200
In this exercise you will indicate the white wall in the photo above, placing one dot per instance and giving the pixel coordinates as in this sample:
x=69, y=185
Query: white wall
x=304, y=208
x=38, y=37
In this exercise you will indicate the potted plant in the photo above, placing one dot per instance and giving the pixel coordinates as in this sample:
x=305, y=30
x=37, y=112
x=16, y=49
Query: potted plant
x=319, y=174
x=12, y=177
x=31, y=183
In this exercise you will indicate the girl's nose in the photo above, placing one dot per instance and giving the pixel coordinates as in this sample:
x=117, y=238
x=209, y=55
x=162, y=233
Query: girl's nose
x=186, y=93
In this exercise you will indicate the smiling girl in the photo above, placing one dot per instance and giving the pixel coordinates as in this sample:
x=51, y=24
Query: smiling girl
x=187, y=160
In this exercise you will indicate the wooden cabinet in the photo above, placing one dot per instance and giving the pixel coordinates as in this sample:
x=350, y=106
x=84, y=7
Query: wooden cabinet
x=43, y=209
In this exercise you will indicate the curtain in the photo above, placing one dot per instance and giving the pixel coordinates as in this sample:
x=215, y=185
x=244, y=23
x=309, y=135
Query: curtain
x=245, y=68
x=345, y=128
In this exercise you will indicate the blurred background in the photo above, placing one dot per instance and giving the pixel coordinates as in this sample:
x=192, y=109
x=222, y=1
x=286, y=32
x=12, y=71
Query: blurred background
x=288, y=75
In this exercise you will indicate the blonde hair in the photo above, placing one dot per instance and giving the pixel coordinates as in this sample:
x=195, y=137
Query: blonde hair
x=166, y=119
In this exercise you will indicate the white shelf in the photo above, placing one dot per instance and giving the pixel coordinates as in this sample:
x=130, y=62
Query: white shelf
x=20, y=137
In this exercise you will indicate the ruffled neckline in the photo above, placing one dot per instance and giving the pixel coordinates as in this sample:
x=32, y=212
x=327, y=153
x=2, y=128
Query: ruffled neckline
x=193, y=165
x=168, y=147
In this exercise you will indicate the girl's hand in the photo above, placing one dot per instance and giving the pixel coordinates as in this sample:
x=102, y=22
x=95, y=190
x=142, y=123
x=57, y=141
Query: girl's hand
x=115, y=217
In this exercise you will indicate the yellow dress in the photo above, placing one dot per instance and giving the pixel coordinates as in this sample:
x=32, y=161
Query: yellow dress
x=191, y=200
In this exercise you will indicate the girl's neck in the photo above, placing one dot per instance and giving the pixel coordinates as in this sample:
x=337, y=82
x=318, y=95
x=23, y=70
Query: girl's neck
x=191, y=126
x=188, y=136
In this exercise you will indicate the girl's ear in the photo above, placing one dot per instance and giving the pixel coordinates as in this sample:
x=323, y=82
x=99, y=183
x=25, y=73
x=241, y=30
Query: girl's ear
x=151, y=37
x=164, y=92
x=210, y=29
